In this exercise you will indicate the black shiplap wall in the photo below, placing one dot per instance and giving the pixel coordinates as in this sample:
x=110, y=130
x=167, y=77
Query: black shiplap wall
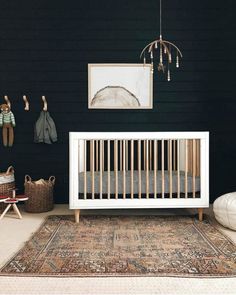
x=45, y=47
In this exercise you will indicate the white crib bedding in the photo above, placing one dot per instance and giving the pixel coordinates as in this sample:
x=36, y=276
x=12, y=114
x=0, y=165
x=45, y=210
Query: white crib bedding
x=136, y=182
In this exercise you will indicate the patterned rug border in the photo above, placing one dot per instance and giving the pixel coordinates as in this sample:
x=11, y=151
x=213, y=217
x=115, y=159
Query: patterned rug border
x=65, y=275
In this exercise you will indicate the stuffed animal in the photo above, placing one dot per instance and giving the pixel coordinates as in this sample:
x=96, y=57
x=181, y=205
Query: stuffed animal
x=7, y=122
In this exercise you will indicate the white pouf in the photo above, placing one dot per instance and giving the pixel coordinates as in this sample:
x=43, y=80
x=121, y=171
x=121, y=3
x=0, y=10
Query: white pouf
x=224, y=209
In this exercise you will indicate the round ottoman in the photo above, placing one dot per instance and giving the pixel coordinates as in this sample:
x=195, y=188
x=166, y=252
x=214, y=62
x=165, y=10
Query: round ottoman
x=224, y=209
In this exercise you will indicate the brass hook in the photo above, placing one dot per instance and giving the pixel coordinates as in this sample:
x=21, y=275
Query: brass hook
x=26, y=103
x=45, y=104
x=7, y=101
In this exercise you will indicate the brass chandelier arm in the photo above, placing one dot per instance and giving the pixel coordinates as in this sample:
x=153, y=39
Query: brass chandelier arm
x=172, y=44
x=160, y=41
x=167, y=49
x=150, y=44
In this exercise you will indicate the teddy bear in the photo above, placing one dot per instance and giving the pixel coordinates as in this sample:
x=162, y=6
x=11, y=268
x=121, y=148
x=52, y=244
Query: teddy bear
x=7, y=122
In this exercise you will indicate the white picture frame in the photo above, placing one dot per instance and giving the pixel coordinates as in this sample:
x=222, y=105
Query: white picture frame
x=120, y=86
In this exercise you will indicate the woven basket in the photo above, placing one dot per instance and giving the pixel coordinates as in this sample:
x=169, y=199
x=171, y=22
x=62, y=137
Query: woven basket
x=40, y=194
x=7, y=184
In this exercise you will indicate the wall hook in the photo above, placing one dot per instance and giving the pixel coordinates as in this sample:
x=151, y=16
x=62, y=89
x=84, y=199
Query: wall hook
x=7, y=101
x=45, y=104
x=26, y=103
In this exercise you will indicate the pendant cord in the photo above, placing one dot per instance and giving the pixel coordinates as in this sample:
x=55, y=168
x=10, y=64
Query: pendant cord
x=160, y=21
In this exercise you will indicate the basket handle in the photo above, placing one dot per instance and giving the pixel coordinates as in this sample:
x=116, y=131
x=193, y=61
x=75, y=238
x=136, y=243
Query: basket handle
x=10, y=169
x=52, y=179
x=27, y=178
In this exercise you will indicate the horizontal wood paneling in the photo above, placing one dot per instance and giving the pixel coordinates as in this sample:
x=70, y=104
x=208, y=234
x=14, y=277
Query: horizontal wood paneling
x=45, y=47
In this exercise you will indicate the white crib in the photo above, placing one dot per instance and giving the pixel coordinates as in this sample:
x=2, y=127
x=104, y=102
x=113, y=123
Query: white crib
x=139, y=170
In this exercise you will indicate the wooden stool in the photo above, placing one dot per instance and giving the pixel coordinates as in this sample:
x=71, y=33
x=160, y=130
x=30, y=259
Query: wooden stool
x=12, y=203
x=2, y=199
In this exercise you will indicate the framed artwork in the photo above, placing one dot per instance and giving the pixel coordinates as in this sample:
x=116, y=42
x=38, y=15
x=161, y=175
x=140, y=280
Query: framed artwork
x=120, y=86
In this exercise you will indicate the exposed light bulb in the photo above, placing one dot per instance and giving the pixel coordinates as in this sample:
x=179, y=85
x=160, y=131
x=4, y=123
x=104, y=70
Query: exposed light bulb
x=156, y=45
x=161, y=59
x=168, y=75
x=177, y=61
x=144, y=60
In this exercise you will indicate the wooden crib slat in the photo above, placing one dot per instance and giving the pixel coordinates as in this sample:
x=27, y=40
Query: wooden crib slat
x=96, y=155
x=116, y=168
x=150, y=155
x=124, y=172
x=176, y=152
x=121, y=162
x=175, y=155
x=101, y=157
x=170, y=167
x=85, y=169
x=190, y=155
x=126, y=154
x=155, y=168
x=168, y=153
x=103, y=144
x=163, y=168
x=132, y=168
x=92, y=161
x=198, y=157
x=147, y=168
x=186, y=168
x=157, y=162
x=178, y=168
x=108, y=170
x=139, y=169
x=194, y=168
x=90, y=156
x=144, y=155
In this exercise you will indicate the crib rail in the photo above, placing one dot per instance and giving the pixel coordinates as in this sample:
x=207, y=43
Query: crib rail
x=138, y=161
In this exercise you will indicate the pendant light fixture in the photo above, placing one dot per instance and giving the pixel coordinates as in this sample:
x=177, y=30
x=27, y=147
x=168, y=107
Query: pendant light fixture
x=162, y=49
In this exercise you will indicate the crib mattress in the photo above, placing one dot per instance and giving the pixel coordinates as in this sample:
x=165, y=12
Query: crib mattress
x=136, y=183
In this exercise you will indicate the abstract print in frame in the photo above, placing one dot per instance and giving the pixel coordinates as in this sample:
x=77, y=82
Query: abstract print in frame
x=120, y=86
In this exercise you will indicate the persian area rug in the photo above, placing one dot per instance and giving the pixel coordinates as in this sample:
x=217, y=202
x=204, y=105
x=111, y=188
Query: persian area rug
x=125, y=246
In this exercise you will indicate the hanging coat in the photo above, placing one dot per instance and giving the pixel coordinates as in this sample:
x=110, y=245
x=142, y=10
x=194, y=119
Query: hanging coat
x=45, y=129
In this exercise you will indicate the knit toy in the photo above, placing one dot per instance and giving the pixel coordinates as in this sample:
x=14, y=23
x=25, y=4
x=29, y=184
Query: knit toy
x=7, y=122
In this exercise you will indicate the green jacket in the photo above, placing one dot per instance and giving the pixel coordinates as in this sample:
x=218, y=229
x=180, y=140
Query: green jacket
x=45, y=129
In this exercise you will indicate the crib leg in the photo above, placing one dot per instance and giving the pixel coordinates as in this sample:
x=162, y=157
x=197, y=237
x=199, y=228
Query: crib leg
x=77, y=213
x=200, y=214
